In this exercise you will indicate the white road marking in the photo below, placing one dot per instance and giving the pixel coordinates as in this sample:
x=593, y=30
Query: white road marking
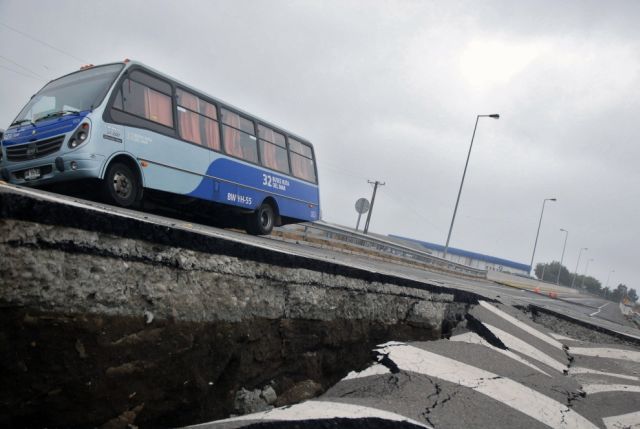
x=518, y=396
x=375, y=369
x=473, y=338
x=392, y=343
x=319, y=410
x=623, y=421
x=579, y=370
x=602, y=352
x=562, y=337
x=600, y=388
x=599, y=309
x=541, y=336
x=526, y=349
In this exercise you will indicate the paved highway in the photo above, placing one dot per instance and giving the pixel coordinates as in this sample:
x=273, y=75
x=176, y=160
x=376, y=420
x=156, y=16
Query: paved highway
x=499, y=369
x=514, y=374
x=582, y=307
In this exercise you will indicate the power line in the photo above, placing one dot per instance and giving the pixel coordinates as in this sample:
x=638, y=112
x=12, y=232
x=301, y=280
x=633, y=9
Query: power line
x=341, y=171
x=22, y=67
x=22, y=74
x=405, y=205
x=332, y=171
x=44, y=43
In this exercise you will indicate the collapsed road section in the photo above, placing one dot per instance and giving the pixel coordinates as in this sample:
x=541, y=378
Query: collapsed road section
x=114, y=318
x=499, y=370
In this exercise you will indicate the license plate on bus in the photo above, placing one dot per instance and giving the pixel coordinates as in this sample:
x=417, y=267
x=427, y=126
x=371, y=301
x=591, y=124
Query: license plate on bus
x=31, y=174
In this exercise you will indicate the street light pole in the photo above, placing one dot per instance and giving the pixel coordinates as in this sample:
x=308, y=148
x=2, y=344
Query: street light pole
x=538, y=233
x=585, y=273
x=575, y=272
x=455, y=210
x=562, y=257
x=608, y=277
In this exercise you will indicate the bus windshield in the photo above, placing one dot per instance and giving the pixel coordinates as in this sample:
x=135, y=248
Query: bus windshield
x=72, y=93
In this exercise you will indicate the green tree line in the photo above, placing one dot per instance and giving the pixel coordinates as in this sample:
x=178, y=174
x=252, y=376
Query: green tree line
x=549, y=273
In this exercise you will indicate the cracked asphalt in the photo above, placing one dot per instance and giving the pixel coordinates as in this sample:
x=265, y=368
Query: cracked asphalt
x=502, y=370
x=576, y=366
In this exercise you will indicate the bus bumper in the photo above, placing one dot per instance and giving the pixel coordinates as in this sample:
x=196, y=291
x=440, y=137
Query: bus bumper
x=53, y=169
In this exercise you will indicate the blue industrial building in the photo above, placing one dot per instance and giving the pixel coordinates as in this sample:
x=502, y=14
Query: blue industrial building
x=472, y=259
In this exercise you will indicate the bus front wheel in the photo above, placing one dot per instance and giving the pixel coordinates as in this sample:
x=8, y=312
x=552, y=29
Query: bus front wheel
x=121, y=185
x=261, y=221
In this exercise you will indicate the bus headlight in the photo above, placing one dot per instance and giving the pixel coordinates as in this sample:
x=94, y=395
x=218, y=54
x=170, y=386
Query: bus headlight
x=80, y=136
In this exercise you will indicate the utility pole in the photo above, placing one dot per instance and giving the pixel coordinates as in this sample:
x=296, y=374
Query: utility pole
x=373, y=200
x=585, y=273
x=562, y=257
x=608, y=277
x=575, y=273
x=538, y=234
x=464, y=173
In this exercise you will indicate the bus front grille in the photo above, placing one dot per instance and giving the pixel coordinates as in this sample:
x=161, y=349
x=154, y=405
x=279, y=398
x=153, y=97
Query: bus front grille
x=33, y=150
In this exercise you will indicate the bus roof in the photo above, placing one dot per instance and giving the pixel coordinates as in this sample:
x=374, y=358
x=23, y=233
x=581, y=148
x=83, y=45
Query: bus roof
x=132, y=63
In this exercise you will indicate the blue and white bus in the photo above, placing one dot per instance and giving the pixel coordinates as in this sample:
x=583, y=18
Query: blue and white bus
x=135, y=128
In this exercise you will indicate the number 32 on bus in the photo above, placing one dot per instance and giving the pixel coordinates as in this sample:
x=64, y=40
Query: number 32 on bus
x=136, y=128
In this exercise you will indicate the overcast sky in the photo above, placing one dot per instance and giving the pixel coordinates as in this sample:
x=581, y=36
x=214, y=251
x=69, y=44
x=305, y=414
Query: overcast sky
x=389, y=91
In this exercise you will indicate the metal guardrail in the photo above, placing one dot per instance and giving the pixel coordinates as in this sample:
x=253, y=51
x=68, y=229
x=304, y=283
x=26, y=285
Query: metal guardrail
x=332, y=236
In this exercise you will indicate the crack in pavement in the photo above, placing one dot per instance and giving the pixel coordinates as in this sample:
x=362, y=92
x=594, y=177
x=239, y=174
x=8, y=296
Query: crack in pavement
x=384, y=359
x=476, y=326
x=437, y=402
x=570, y=358
x=572, y=396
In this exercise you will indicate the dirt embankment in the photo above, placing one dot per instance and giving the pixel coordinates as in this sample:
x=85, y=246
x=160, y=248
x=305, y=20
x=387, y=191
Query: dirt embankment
x=122, y=328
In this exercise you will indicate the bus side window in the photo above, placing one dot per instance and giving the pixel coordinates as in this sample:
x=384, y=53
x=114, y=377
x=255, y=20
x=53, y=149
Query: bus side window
x=140, y=100
x=142, y=96
x=273, y=149
x=302, y=164
x=238, y=135
x=117, y=103
x=197, y=120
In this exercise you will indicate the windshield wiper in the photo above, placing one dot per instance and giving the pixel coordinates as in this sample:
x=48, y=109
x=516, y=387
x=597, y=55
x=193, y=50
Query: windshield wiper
x=22, y=121
x=58, y=113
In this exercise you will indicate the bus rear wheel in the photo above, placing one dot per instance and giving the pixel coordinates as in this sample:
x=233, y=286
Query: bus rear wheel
x=261, y=221
x=121, y=185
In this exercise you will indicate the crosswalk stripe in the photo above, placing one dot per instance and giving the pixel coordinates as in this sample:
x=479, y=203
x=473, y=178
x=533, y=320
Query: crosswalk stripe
x=375, y=369
x=473, y=338
x=590, y=389
x=603, y=352
x=580, y=370
x=541, y=336
x=313, y=410
x=623, y=421
x=526, y=349
x=512, y=394
x=561, y=337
